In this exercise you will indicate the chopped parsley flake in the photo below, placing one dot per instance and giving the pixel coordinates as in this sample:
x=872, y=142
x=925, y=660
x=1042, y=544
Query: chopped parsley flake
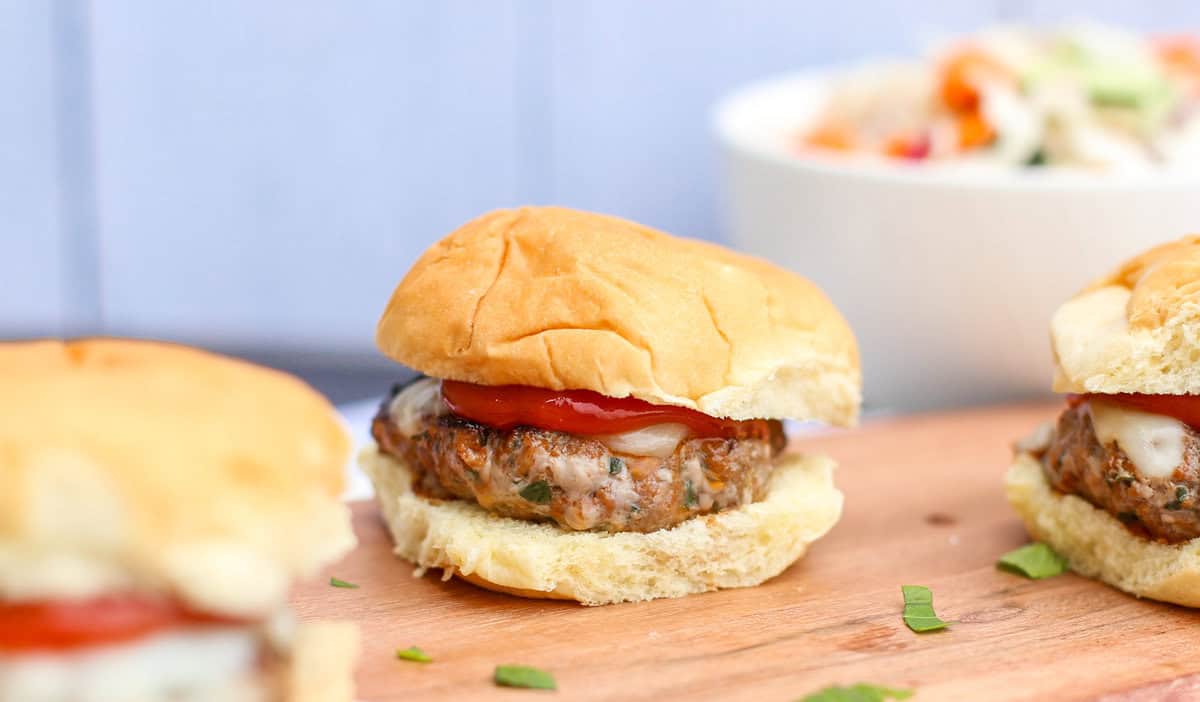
x=523, y=676
x=1034, y=561
x=414, y=654
x=538, y=492
x=615, y=465
x=342, y=583
x=918, y=609
x=862, y=692
x=689, y=494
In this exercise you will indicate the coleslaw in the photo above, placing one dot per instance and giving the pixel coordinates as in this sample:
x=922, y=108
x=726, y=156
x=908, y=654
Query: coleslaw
x=1087, y=96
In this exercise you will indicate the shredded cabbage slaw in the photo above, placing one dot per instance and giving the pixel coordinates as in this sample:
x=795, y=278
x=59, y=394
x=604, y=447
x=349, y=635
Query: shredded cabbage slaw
x=1088, y=97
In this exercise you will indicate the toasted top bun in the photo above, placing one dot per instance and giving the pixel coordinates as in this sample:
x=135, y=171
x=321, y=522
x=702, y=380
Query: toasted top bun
x=561, y=299
x=1136, y=329
x=130, y=465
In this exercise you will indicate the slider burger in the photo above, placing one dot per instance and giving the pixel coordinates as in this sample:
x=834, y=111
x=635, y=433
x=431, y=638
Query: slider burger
x=156, y=503
x=1114, y=485
x=598, y=418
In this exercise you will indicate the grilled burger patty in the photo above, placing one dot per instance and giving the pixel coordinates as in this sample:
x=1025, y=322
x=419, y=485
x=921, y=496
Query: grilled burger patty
x=575, y=481
x=1162, y=509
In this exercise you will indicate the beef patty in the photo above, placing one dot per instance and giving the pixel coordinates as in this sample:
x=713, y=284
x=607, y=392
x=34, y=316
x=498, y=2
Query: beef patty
x=1162, y=509
x=575, y=481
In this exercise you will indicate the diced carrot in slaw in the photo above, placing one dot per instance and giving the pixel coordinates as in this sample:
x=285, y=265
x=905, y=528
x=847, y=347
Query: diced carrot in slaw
x=830, y=136
x=974, y=131
x=911, y=147
x=961, y=75
x=1180, y=53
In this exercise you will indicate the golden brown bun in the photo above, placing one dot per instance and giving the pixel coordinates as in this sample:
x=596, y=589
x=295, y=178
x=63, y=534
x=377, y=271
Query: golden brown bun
x=1135, y=330
x=1098, y=545
x=131, y=464
x=561, y=299
x=737, y=548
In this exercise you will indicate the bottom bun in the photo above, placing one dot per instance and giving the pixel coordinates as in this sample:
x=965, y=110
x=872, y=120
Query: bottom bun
x=1097, y=545
x=736, y=548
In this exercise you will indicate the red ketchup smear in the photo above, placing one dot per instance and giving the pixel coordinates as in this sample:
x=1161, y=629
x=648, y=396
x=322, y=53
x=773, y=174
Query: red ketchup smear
x=574, y=411
x=69, y=624
x=1185, y=408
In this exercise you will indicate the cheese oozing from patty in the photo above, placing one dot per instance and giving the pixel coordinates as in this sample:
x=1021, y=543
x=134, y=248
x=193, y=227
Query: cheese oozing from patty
x=417, y=400
x=657, y=440
x=1153, y=442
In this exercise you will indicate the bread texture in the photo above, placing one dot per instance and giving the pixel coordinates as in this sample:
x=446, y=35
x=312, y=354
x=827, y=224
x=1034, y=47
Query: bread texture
x=736, y=548
x=562, y=299
x=1135, y=330
x=323, y=658
x=1097, y=545
x=131, y=465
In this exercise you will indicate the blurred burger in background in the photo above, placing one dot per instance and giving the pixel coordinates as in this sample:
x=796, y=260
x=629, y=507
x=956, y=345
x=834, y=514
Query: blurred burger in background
x=157, y=504
x=599, y=418
x=1114, y=484
x=1087, y=96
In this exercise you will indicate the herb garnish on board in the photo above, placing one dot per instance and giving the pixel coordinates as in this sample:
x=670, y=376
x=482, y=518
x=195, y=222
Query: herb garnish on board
x=523, y=676
x=414, y=654
x=1036, y=561
x=918, y=609
x=860, y=692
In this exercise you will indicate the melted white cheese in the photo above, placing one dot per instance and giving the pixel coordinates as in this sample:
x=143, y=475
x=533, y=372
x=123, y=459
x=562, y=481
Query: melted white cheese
x=622, y=491
x=576, y=474
x=1038, y=440
x=1154, y=443
x=658, y=440
x=693, y=475
x=208, y=665
x=419, y=399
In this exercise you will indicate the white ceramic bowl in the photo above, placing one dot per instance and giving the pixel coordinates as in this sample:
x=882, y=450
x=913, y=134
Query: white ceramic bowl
x=948, y=278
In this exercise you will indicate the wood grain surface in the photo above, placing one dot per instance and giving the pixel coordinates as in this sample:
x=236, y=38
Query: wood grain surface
x=924, y=505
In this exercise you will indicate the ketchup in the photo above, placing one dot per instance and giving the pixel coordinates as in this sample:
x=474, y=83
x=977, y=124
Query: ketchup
x=1185, y=408
x=573, y=411
x=68, y=624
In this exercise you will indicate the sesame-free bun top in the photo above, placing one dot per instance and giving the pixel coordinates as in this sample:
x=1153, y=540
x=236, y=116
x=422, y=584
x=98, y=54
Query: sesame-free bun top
x=562, y=299
x=141, y=466
x=1135, y=330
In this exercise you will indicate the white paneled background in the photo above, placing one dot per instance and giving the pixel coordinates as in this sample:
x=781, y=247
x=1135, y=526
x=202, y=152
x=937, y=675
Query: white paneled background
x=258, y=175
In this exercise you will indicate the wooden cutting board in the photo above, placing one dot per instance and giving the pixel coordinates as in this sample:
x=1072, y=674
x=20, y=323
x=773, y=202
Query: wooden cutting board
x=924, y=505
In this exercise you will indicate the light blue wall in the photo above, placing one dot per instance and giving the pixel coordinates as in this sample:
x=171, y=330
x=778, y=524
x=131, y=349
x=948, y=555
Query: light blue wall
x=32, y=277
x=270, y=169
x=260, y=174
